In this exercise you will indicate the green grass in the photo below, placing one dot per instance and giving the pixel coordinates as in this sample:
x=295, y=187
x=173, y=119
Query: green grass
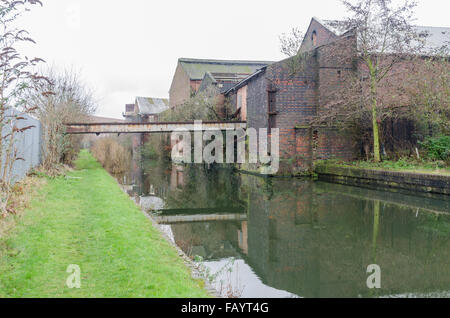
x=87, y=220
x=403, y=164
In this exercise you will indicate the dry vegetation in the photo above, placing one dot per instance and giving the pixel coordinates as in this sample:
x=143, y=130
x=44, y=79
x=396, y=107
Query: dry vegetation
x=21, y=195
x=24, y=89
x=393, y=89
x=68, y=101
x=114, y=157
x=17, y=78
x=205, y=105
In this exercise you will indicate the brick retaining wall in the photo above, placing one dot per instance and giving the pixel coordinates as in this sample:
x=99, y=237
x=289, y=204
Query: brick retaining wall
x=422, y=182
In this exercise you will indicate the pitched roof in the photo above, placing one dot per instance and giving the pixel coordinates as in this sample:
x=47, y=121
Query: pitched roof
x=151, y=105
x=245, y=80
x=102, y=120
x=223, y=81
x=334, y=26
x=436, y=37
x=196, y=68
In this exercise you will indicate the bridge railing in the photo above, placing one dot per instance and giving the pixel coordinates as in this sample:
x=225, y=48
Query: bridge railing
x=159, y=127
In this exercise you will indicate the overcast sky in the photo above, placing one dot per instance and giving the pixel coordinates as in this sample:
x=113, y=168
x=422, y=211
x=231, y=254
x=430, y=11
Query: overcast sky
x=125, y=49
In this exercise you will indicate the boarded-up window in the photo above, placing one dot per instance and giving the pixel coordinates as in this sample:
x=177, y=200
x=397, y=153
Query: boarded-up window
x=242, y=102
x=272, y=109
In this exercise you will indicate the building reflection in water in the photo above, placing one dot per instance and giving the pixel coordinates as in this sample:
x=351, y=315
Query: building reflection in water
x=298, y=237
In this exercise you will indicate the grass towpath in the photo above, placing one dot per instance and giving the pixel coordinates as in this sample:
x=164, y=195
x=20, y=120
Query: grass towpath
x=86, y=219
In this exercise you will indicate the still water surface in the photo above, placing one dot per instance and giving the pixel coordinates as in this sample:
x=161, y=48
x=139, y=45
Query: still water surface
x=283, y=237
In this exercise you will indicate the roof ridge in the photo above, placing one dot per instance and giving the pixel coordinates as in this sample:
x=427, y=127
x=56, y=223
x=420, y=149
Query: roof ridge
x=212, y=61
x=429, y=26
x=244, y=80
x=414, y=25
x=152, y=97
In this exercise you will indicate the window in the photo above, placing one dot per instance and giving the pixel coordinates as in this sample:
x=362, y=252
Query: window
x=242, y=102
x=314, y=38
x=271, y=109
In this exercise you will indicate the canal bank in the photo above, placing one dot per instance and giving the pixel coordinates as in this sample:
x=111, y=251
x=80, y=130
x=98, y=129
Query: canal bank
x=295, y=237
x=85, y=219
x=425, y=182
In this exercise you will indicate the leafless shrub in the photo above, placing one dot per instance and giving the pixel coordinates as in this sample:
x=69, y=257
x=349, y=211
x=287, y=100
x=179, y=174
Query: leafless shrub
x=205, y=105
x=290, y=42
x=231, y=289
x=17, y=80
x=61, y=100
x=113, y=156
x=428, y=91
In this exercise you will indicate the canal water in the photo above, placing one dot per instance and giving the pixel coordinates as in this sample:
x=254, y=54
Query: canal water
x=285, y=237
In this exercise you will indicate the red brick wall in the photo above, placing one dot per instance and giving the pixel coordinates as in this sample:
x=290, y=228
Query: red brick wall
x=295, y=105
x=298, y=96
x=323, y=36
x=180, y=90
x=195, y=85
x=335, y=61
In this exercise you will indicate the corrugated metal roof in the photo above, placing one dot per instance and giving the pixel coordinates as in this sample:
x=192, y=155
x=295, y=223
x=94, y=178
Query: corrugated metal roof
x=335, y=26
x=222, y=81
x=436, y=38
x=101, y=120
x=151, y=105
x=196, y=68
x=245, y=81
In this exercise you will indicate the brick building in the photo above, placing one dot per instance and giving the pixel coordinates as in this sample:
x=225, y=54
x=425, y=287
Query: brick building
x=288, y=94
x=191, y=75
x=145, y=109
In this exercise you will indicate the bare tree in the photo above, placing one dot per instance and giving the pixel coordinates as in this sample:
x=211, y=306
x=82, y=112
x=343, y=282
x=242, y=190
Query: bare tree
x=385, y=43
x=385, y=36
x=17, y=79
x=290, y=42
x=63, y=99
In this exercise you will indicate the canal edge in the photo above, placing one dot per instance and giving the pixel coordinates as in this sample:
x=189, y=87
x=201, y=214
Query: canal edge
x=196, y=273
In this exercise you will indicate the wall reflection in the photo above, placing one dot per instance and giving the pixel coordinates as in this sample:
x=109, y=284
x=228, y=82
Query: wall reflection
x=310, y=239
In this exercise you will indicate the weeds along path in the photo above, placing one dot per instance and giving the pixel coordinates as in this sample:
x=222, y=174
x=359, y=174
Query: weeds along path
x=85, y=219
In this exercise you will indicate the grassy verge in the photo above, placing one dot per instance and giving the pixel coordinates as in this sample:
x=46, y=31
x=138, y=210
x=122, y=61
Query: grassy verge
x=404, y=164
x=85, y=219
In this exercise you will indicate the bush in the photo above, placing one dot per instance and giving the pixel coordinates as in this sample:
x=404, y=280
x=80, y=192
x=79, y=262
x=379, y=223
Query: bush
x=205, y=105
x=149, y=151
x=438, y=148
x=113, y=156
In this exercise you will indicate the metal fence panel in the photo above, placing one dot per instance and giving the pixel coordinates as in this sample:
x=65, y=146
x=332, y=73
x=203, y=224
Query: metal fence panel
x=28, y=144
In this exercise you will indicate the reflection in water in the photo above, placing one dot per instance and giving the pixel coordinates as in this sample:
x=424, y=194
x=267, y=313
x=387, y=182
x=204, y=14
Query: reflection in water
x=298, y=237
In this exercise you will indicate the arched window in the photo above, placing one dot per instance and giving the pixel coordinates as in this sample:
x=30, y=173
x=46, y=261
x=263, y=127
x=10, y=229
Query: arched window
x=314, y=38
